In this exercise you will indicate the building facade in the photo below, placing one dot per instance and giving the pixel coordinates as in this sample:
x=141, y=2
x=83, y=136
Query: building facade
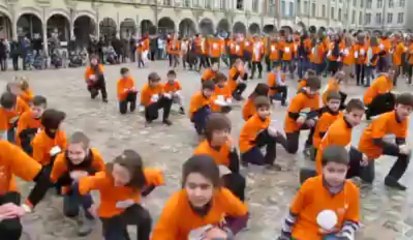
x=388, y=15
x=82, y=18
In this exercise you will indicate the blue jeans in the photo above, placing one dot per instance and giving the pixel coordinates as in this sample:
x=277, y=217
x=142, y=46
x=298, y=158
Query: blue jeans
x=199, y=119
x=11, y=135
x=73, y=200
x=303, y=66
x=369, y=74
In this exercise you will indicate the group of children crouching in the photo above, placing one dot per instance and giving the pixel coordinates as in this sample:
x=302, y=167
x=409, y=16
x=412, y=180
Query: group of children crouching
x=210, y=204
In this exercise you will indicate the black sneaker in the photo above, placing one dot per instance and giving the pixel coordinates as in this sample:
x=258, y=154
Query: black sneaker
x=105, y=100
x=181, y=111
x=167, y=122
x=393, y=183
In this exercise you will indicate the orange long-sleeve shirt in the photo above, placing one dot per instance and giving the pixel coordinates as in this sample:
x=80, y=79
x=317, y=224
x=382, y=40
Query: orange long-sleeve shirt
x=42, y=144
x=111, y=194
x=148, y=92
x=124, y=86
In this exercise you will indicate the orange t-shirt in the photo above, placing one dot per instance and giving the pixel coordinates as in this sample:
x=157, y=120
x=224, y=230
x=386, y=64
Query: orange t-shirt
x=323, y=123
x=348, y=56
x=272, y=81
x=220, y=156
x=274, y=52
x=380, y=85
x=288, y=51
x=208, y=75
x=148, y=92
x=248, y=110
x=178, y=218
x=89, y=72
x=198, y=101
x=42, y=144
x=111, y=194
x=27, y=96
x=312, y=198
x=219, y=92
x=332, y=86
x=250, y=130
x=397, y=55
x=360, y=53
x=232, y=78
x=21, y=106
x=60, y=165
x=13, y=161
x=385, y=124
x=5, y=117
x=300, y=102
x=339, y=133
x=172, y=87
x=214, y=48
x=26, y=121
x=124, y=86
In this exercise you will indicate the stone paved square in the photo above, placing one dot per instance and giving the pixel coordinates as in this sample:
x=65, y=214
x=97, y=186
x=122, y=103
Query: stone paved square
x=386, y=214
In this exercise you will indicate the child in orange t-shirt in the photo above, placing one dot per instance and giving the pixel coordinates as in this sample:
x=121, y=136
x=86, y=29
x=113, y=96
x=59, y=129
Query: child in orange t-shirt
x=200, y=106
x=302, y=114
x=153, y=98
x=221, y=99
x=333, y=85
x=50, y=141
x=173, y=88
x=121, y=187
x=236, y=79
x=257, y=133
x=219, y=145
x=126, y=91
x=79, y=160
x=302, y=83
x=14, y=162
x=278, y=88
x=204, y=209
x=378, y=98
x=248, y=110
x=30, y=123
x=95, y=79
x=8, y=116
x=26, y=93
x=372, y=144
x=326, y=206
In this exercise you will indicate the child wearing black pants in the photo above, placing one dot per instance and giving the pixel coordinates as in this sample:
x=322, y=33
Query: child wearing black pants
x=126, y=92
x=153, y=99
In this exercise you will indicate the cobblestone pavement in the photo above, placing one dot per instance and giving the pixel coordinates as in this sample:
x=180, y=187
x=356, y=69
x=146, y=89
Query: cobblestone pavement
x=386, y=214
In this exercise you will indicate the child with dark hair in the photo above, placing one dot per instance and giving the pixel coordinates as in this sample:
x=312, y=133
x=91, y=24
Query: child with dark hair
x=200, y=106
x=328, y=114
x=372, y=144
x=95, y=79
x=278, y=88
x=220, y=146
x=340, y=132
x=51, y=140
x=201, y=205
x=30, y=123
x=378, y=98
x=248, y=109
x=314, y=213
x=173, y=89
x=8, y=115
x=236, y=79
x=121, y=188
x=221, y=99
x=302, y=114
x=153, y=98
x=79, y=160
x=126, y=91
x=256, y=134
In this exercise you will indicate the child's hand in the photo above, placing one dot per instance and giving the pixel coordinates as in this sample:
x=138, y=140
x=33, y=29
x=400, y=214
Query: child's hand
x=310, y=122
x=364, y=161
x=300, y=120
x=215, y=233
x=404, y=149
x=77, y=174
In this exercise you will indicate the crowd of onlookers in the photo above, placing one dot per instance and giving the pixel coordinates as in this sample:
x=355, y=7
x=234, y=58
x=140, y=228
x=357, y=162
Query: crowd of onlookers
x=29, y=53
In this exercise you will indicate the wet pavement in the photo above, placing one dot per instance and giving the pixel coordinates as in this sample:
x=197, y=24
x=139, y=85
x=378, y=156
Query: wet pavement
x=386, y=214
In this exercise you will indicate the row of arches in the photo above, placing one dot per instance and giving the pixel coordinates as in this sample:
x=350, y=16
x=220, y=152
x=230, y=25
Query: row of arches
x=30, y=25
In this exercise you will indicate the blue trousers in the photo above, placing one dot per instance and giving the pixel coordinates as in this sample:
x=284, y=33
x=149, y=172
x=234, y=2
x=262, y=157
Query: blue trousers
x=199, y=119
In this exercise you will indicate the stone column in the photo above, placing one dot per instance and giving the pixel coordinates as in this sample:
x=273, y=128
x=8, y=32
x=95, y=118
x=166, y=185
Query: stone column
x=45, y=45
